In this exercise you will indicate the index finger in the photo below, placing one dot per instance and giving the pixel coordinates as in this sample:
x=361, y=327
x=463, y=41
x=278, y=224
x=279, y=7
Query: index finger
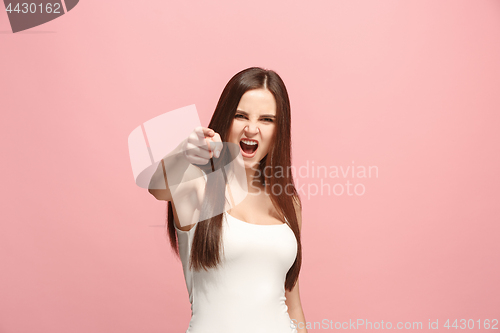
x=215, y=144
x=216, y=137
x=204, y=132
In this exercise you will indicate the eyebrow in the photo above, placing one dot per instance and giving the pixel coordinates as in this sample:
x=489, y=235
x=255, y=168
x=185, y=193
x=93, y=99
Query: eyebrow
x=262, y=116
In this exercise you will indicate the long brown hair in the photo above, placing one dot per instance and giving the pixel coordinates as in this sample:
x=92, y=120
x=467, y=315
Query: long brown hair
x=207, y=241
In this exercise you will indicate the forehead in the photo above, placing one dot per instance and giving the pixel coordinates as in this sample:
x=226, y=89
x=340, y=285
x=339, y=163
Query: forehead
x=258, y=101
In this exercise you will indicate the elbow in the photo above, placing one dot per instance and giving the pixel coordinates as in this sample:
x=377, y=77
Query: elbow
x=153, y=193
x=160, y=194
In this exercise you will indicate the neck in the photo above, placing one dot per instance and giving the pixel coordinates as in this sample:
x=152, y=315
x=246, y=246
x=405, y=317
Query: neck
x=253, y=182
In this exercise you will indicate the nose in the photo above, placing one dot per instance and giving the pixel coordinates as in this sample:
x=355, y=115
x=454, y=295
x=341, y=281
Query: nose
x=252, y=128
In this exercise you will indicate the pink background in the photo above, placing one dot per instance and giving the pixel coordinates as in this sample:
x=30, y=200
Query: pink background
x=408, y=86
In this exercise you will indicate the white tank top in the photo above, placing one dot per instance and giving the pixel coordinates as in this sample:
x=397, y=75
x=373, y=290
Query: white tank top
x=246, y=292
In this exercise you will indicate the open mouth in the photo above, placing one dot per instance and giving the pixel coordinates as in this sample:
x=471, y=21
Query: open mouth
x=249, y=147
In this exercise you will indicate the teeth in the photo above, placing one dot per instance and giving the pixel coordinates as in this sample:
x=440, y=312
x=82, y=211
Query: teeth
x=250, y=143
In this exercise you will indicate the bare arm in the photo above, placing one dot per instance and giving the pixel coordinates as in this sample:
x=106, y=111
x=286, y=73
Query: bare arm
x=160, y=176
x=293, y=297
x=295, y=308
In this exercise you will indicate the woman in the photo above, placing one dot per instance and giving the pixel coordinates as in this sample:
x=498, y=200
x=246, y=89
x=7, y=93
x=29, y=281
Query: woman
x=242, y=266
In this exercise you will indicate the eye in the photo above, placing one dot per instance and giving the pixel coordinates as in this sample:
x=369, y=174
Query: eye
x=239, y=116
x=270, y=120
